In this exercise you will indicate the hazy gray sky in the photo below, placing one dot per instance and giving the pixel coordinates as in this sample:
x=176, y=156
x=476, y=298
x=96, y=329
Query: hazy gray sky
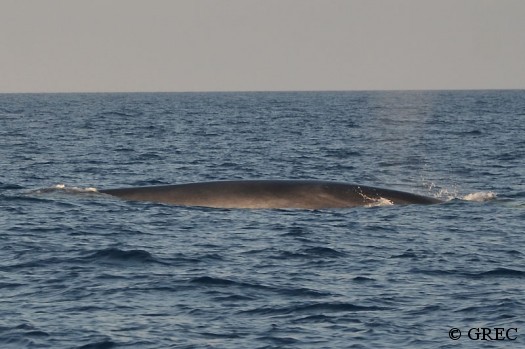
x=246, y=45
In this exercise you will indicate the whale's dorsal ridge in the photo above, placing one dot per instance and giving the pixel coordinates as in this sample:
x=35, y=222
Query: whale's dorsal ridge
x=301, y=194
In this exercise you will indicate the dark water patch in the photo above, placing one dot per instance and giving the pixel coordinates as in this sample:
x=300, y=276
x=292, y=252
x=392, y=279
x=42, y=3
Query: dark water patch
x=317, y=319
x=296, y=231
x=42, y=263
x=183, y=259
x=36, y=334
x=323, y=252
x=498, y=273
x=494, y=273
x=120, y=113
x=363, y=279
x=216, y=335
x=27, y=329
x=10, y=186
x=436, y=272
x=278, y=341
x=105, y=344
x=301, y=292
x=467, y=132
x=151, y=287
x=234, y=298
x=507, y=157
x=84, y=309
x=514, y=253
x=124, y=149
x=24, y=335
x=342, y=153
x=147, y=157
x=207, y=257
x=508, y=318
x=211, y=281
x=317, y=308
x=154, y=315
x=208, y=281
x=116, y=255
x=9, y=285
x=429, y=309
x=407, y=254
x=507, y=308
x=310, y=253
x=11, y=113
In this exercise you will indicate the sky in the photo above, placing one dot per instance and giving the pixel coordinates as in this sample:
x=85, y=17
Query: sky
x=260, y=45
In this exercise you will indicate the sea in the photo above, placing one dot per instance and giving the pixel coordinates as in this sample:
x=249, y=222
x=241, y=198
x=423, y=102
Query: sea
x=81, y=269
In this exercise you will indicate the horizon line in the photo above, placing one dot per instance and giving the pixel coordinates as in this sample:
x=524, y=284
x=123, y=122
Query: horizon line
x=265, y=91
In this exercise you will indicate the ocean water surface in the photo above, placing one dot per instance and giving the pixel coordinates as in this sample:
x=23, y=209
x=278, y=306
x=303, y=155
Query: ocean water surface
x=79, y=269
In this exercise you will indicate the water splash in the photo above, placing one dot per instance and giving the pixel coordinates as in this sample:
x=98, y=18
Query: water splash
x=480, y=196
x=62, y=188
x=448, y=194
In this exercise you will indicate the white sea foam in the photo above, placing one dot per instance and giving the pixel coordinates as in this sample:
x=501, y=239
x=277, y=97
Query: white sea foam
x=480, y=196
x=453, y=193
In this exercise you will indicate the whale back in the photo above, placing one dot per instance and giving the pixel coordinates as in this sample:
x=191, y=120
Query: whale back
x=269, y=194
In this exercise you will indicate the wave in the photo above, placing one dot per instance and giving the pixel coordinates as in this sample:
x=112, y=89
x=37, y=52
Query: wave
x=121, y=113
x=107, y=256
x=322, y=252
x=9, y=186
x=363, y=279
x=314, y=308
x=116, y=255
x=500, y=272
x=494, y=273
x=312, y=253
x=24, y=335
x=104, y=344
x=209, y=281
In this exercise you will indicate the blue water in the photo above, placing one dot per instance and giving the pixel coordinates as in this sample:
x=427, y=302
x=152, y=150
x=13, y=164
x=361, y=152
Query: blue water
x=79, y=269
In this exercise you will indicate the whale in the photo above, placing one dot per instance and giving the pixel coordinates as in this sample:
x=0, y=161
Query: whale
x=270, y=194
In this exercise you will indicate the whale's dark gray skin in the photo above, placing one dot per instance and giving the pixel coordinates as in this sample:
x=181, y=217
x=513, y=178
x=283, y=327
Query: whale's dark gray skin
x=269, y=194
